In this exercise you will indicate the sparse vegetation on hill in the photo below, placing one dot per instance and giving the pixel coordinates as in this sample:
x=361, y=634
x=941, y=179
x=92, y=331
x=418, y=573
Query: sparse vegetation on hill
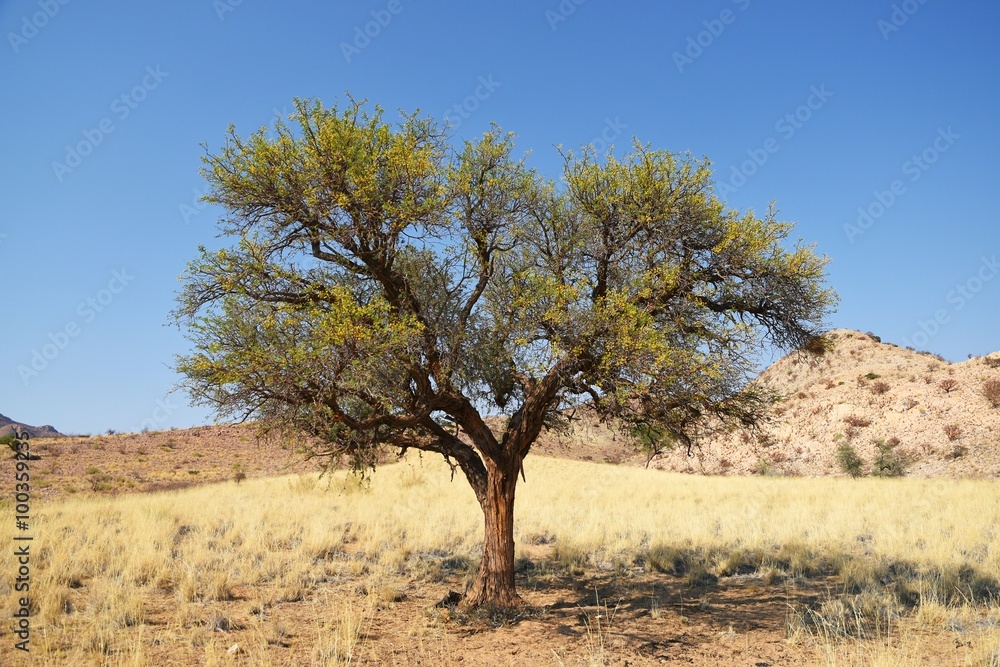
x=873, y=391
x=157, y=460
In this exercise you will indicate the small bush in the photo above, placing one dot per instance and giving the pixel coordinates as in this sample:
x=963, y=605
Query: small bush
x=872, y=376
x=991, y=391
x=880, y=387
x=888, y=462
x=948, y=385
x=818, y=345
x=953, y=432
x=956, y=452
x=849, y=461
x=11, y=442
x=992, y=362
x=856, y=421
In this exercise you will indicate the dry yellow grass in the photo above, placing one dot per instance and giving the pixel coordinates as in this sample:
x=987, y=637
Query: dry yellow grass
x=102, y=564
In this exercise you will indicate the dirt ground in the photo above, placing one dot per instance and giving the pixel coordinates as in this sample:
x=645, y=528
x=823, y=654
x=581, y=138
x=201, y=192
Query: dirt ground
x=623, y=619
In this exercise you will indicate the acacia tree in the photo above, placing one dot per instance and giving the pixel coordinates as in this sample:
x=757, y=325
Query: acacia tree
x=385, y=289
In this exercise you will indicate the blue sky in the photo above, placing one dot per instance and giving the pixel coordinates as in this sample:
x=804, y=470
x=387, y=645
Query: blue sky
x=870, y=124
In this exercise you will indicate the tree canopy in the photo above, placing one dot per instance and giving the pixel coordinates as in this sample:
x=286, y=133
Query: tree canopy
x=386, y=288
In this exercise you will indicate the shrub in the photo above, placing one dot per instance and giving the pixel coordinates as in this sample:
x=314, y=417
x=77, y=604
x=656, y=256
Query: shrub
x=992, y=362
x=991, y=390
x=856, y=421
x=239, y=474
x=948, y=384
x=763, y=467
x=818, y=345
x=11, y=442
x=880, y=387
x=953, y=432
x=956, y=452
x=849, y=461
x=872, y=376
x=888, y=462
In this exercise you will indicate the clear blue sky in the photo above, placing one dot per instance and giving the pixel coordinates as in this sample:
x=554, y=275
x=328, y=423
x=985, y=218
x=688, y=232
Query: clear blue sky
x=821, y=107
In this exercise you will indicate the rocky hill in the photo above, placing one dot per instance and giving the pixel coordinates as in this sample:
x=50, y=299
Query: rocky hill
x=8, y=426
x=934, y=414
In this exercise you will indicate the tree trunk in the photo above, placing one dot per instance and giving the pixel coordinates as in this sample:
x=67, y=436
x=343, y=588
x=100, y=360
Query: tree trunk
x=494, y=585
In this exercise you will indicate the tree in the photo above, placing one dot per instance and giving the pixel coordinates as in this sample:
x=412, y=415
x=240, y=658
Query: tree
x=385, y=289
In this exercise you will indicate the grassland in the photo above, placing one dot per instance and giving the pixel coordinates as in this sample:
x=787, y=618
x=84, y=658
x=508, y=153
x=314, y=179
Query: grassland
x=621, y=565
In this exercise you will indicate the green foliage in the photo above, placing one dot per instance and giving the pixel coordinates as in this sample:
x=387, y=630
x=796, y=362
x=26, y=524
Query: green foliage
x=888, y=462
x=11, y=442
x=849, y=460
x=379, y=277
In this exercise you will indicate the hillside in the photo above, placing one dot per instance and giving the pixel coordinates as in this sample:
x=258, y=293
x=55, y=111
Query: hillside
x=862, y=391
x=159, y=460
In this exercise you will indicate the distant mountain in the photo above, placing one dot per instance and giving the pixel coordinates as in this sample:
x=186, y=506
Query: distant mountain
x=8, y=426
